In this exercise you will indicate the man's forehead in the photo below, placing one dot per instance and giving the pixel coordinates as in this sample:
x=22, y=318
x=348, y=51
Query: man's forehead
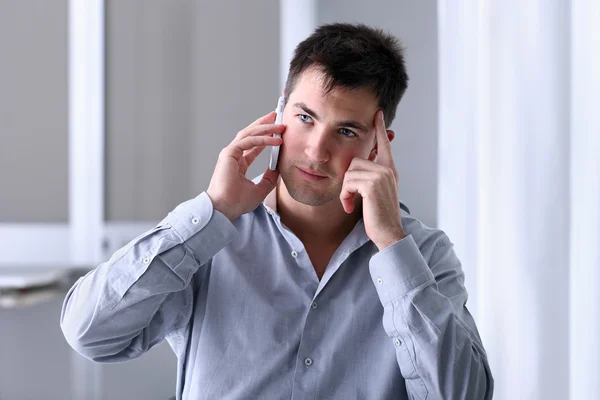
x=312, y=91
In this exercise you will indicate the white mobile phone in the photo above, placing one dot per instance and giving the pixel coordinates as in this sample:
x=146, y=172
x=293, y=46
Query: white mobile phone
x=275, y=149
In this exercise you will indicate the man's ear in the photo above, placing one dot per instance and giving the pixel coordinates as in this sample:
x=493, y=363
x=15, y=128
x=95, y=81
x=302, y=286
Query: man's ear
x=391, y=134
x=373, y=154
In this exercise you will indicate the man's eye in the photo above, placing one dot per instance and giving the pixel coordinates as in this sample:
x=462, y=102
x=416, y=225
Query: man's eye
x=305, y=118
x=347, y=132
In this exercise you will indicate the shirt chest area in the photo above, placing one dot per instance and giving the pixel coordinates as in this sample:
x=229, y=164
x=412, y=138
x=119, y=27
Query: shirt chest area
x=269, y=316
x=280, y=287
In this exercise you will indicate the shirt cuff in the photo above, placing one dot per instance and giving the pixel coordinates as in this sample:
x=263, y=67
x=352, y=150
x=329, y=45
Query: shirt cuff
x=205, y=230
x=398, y=269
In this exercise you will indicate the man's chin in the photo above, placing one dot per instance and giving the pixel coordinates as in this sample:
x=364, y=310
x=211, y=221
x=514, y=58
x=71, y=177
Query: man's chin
x=310, y=197
x=305, y=193
x=308, y=200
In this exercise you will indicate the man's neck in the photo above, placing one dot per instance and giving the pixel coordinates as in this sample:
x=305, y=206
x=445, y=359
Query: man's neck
x=328, y=224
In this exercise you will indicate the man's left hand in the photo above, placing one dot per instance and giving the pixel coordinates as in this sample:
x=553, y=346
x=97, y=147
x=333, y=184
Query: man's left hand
x=377, y=183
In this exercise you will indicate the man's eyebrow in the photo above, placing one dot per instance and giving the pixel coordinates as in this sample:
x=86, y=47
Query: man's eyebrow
x=307, y=110
x=350, y=124
x=354, y=124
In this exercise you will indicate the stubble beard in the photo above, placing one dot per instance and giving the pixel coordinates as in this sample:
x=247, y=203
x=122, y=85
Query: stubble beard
x=303, y=192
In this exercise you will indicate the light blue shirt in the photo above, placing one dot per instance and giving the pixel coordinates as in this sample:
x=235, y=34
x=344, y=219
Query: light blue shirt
x=244, y=311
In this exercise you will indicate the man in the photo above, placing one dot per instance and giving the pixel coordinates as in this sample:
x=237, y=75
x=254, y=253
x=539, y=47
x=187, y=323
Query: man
x=328, y=289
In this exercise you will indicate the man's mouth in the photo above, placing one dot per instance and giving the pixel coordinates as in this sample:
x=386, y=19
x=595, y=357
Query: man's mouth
x=311, y=174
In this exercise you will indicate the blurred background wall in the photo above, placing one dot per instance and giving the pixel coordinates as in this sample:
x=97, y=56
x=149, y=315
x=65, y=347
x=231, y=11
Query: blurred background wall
x=496, y=143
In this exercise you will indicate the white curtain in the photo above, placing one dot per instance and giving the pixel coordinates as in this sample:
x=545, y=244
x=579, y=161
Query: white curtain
x=519, y=185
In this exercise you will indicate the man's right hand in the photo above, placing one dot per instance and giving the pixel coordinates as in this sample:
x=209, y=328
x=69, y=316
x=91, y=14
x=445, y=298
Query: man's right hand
x=230, y=191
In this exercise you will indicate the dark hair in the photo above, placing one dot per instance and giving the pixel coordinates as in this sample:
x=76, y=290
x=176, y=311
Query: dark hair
x=353, y=56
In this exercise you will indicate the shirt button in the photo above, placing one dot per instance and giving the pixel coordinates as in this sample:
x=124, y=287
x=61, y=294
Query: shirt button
x=380, y=281
x=294, y=254
x=314, y=304
x=195, y=220
x=146, y=260
x=307, y=362
x=397, y=342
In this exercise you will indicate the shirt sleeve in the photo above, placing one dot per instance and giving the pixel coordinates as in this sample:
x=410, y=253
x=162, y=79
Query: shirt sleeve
x=437, y=345
x=130, y=303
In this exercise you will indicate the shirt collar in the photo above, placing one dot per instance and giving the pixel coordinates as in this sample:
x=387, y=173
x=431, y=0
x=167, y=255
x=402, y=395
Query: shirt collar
x=356, y=238
x=270, y=202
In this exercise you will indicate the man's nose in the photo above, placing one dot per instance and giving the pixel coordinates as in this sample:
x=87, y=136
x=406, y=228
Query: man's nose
x=316, y=147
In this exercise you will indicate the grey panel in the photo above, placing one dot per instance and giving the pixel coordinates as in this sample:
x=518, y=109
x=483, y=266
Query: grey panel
x=182, y=79
x=149, y=46
x=237, y=79
x=33, y=111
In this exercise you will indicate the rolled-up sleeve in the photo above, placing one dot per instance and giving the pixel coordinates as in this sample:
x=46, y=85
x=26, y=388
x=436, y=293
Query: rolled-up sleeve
x=130, y=303
x=437, y=345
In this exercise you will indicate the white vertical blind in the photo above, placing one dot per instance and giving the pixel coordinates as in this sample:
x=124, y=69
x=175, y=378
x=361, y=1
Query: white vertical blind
x=519, y=185
x=584, y=278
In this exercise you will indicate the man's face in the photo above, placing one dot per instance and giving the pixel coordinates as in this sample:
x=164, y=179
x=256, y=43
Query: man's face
x=324, y=133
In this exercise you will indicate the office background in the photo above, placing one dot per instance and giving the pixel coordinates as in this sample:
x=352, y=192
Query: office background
x=496, y=143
